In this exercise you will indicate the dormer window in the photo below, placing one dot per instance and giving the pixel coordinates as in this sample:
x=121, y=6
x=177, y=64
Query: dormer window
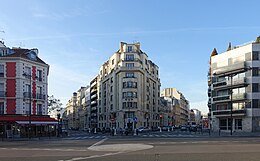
x=32, y=55
x=129, y=48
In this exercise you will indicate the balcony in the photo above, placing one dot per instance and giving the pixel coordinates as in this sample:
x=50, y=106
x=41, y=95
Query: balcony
x=93, y=102
x=237, y=82
x=93, y=91
x=27, y=95
x=93, y=108
x=230, y=68
x=239, y=96
x=223, y=98
x=40, y=96
x=93, y=84
x=241, y=112
x=93, y=96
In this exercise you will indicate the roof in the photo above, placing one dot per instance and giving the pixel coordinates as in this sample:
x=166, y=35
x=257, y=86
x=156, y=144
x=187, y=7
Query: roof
x=14, y=118
x=22, y=53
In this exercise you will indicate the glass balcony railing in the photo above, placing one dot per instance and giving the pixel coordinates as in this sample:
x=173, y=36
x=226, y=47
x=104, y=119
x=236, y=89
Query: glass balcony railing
x=229, y=68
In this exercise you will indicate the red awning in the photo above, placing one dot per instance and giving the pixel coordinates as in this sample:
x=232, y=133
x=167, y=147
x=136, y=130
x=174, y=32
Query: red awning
x=14, y=118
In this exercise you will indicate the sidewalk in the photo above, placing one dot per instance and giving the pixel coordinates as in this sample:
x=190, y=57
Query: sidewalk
x=234, y=134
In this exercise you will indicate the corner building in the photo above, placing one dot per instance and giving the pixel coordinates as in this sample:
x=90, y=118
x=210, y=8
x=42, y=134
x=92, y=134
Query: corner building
x=234, y=91
x=128, y=90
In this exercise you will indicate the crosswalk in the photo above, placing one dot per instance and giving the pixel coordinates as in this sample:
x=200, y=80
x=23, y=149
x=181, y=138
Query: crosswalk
x=168, y=135
x=84, y=137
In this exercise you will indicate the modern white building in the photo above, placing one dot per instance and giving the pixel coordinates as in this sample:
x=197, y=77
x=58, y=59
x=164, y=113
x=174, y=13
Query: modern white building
x=234, y=91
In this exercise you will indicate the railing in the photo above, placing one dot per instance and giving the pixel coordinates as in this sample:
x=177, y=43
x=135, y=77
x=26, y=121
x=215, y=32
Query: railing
x=40, y=96
x=221, y=98
x=27, y=95
x=229, y=68
x=93, y=96
x=239, y=96
x=93, y=102
x=39, y=79
x=228, y=112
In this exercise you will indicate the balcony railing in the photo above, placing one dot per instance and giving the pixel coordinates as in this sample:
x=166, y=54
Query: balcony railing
x=40, y=96
x=221, y=98
x=227, y=83
x=239, y=96
x=228, y=112
x=27, y=95
x=229, y=68
x=93, y=96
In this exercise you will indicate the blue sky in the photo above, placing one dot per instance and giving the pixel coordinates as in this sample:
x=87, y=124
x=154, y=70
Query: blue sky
x=76, y=37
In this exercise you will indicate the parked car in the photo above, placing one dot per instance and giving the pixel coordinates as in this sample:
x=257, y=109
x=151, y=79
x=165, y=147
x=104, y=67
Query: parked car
x=193, y=128
x=143, y=129
x=155, y=128
x=183, y=128
x=165, y=128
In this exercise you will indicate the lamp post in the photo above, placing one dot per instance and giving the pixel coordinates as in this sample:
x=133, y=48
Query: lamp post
x=30, y=100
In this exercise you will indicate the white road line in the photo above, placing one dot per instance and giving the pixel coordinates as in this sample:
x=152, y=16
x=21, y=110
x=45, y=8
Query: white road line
x=97, y=143
x=91, y=137
x=93, y=156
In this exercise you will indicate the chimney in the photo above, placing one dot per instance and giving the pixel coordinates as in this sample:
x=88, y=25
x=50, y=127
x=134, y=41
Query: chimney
x=229, y=46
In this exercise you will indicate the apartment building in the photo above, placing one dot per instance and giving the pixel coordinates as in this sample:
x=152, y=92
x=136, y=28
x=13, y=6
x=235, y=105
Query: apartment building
x=23, y=90
x=78, y=110
x=180, y=103
x=126, y=91
x=198, y=116
x=234, y=96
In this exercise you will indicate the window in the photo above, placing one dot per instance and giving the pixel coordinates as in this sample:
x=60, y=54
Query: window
x=129, y=48
x=129, y=65
x=255, y=71
x=111, y=89
x=113, y=61
x=27, y=108
x=238, y=124
x=2, y=108
x=28, y=70
x=255, y=103
x=255, y=87
x=1, y=70
x=129, y=75
x=39, y=75
x=255, y=55
x=129, y=84
x=28, y=88
x=111, y=107
x=129, y=94
x=2, y=91
x=111, y=98
x=39, y=109
x=129, y=57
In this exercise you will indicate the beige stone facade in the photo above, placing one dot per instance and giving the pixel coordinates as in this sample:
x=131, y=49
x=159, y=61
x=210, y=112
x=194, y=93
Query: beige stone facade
x=128, y=88
x=180, y=105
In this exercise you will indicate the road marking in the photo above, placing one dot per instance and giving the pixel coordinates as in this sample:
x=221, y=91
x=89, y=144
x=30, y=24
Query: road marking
x=93, y=156
x=97, y=143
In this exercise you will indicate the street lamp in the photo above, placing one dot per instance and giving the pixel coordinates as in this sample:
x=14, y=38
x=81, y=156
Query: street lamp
x=30, y=100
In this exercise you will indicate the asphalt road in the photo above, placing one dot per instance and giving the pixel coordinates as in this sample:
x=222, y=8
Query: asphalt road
x=134, y=149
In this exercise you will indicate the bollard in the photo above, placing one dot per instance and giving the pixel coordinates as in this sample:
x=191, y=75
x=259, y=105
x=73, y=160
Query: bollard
x=160, y=129
x=135, y=132
x=95, y=130
x=114, y=131
x=168, y=129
